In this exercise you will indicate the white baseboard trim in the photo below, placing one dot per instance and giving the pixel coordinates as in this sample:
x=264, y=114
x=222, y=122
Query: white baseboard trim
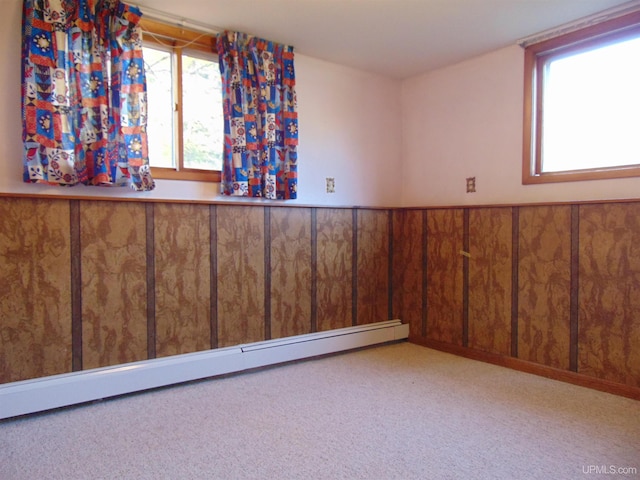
x=31, y=396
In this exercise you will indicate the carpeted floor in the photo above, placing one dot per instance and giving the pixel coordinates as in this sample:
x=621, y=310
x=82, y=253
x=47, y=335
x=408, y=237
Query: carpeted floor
x=398, y=411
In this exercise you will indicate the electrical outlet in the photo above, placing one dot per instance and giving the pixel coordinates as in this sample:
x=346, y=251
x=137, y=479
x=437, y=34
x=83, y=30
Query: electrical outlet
x=331, y=185
x=471, y=184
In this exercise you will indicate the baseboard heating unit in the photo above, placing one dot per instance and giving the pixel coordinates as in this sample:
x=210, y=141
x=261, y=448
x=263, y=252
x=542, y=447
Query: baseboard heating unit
x=31, y=396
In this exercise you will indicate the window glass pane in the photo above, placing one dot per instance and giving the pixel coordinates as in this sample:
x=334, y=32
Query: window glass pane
x=202, y=113
x=160, y=107
x=591, y=109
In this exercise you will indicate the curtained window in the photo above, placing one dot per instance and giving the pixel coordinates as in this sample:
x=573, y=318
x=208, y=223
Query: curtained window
x=84, y=94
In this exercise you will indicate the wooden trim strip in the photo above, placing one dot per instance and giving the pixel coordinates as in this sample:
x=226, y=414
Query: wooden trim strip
x=314, y=270
x=533, y=368
x=465, y=278
x=202, y=41
x=354, y=268
x=515, y=261
x=279, y=203
x=425, y=267
x=213, y=274
x=151, y=280
x=178, y=134
x=390, y=265
x=267, y=273
x=209, y=176
x=574, y=288
x=513, y=204
x=76, y=285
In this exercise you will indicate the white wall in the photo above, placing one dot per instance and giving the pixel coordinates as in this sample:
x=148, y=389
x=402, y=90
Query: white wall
x=343, y=133
x=386, y=143
x=350, y=129
x=466, y=120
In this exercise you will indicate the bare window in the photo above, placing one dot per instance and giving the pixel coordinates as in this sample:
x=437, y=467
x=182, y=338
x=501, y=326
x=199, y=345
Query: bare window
x=185, y=124
x=582, y=104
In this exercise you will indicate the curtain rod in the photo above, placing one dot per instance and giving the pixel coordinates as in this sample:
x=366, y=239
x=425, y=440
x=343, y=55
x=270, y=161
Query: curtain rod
x=179, y=21
x=588, y=21
x=161, y=16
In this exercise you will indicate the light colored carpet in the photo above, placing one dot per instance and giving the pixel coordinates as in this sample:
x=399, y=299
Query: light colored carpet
x=398, y=411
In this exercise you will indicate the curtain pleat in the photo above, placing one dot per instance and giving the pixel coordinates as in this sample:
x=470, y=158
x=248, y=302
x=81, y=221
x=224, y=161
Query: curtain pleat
x=84, y=94
x=260, y=117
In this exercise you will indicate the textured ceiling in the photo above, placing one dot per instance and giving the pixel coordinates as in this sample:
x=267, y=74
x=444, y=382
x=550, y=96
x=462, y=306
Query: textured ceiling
x=394, y=38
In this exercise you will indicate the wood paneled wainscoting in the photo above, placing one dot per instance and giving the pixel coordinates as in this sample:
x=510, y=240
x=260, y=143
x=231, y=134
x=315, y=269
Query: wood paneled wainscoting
x=550, y=289
x=94, y=283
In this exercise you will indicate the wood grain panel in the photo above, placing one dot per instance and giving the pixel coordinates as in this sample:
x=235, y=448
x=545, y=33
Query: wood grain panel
x=373, y=266
x=334, y=277
x=290, y=271
x=183, y=262
x=241, y=287
x=544, y=284
x=609, y=292
x=113, y=246
x=35, y=289
x=490, y=280
x=444, y=275
x=407, y=269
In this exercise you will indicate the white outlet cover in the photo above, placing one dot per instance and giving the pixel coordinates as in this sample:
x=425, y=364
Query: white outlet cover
x=331, y=185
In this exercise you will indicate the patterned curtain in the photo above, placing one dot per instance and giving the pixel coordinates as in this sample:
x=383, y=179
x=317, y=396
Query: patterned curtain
x=84, y=94
x=260, y=117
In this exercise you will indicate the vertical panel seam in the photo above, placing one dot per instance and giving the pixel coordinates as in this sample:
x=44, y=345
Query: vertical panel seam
x=314, y=269
x=76, y=285
x=267, y=273
x=425, y=269
x=354, y=267
x=515, y=261
x=151, y=283
x=574, y=290
x=213, y=274
x=390, y=264
x=465, y=278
